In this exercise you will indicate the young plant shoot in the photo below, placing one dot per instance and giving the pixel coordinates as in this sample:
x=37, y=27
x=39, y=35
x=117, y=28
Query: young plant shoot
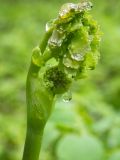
x=70, y=47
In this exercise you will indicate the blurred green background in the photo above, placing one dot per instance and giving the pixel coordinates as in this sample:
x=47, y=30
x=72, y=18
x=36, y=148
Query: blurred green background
x=86, y=128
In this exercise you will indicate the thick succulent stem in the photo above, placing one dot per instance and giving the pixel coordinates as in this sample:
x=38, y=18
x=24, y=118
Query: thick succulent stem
x=39, y=106
x=32, y=145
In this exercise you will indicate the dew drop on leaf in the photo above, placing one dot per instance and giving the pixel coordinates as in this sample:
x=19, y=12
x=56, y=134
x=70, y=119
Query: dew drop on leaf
x=56, y=39
x=66, y=9
x=90, y=38
x=67, y=96
x=67, y=62
x=85, y=6
x=77, y=56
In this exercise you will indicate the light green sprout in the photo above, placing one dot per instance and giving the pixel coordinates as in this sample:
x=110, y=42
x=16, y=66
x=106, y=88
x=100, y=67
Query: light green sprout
x=69, y=49
x=73, y=41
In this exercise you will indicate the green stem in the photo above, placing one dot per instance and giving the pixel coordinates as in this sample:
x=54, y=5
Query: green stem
x=32, y=145
x=39, y=107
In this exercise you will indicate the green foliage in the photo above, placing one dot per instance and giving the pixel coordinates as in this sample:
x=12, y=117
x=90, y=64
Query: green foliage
x=75, y=39
x=72, y=39
x=74, y=45
x=76, y=147
x=96, y=103
x=115, y=156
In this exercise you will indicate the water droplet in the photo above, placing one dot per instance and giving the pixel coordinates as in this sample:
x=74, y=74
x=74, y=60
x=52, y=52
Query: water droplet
x=90, y=38
x=66, y=10
x=67, y=96
x=56, y=39
x=77, y=56
x=79, y=53
x=85, y=6
x=69, y=63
